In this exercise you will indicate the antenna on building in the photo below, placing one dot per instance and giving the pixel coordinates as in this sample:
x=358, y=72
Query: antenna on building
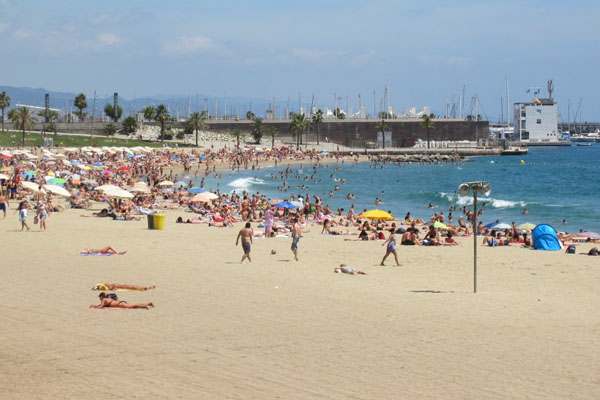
x=550, y=88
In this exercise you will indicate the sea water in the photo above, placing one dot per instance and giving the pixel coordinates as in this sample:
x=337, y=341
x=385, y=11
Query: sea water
x=557, y=185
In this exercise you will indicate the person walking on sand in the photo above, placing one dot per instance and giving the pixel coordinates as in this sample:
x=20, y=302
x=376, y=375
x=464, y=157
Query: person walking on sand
x=245, y=234
x=22, y=210
x=391, y=247
x=3, y=204
x=296, y=232
x=42, y=214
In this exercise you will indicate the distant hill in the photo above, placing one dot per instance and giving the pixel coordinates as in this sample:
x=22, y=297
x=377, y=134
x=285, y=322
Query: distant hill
x=64, y=101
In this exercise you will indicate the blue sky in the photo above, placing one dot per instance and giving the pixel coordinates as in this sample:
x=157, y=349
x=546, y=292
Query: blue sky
x=425, y=50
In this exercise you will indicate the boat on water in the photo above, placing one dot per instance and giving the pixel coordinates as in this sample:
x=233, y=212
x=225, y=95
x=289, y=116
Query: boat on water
x=586, y=137
x=583, y=144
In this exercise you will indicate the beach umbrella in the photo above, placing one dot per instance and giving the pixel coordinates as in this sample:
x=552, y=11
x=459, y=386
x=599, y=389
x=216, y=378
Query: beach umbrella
x=275, y=201
x=498, y=226
x=527, y=225
x=285, y=204
x=31, y=172
x=196, y=190
x=66, y=162
x=180, y=183
x=589, y=235
x=57, y=181
x=2, y=176
x=376, y=214
x=166, y=183
x=123, y=168
x=204, y=197
x=118, y=193
x=75, y=162
x=104, y=187
x=30, y=185
x=57, y=190
x=89, y=182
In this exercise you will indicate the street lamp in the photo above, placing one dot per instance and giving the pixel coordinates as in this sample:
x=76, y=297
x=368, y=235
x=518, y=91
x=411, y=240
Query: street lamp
x=476, y=188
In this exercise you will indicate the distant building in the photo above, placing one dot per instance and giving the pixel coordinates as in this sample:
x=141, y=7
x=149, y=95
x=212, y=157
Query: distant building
x=536, y=121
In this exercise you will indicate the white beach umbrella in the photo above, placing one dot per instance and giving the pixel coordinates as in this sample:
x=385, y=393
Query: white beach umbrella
x=57, y=190
x=30, y=185
x=105, y=187
x=118, y=193
x=2, y=176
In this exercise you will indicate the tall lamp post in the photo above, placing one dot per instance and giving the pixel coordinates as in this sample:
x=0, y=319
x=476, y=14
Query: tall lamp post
x=477, y=188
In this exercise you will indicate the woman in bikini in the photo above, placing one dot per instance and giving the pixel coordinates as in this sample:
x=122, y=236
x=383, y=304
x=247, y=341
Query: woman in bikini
x=391, y=247
x=112, y=301
x=105, y=250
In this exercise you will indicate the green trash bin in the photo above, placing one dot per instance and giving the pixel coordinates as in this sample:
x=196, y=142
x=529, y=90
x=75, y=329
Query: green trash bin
x=150, y=221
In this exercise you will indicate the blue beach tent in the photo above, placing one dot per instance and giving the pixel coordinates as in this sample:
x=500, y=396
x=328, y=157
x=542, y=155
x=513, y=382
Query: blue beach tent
x=544, y=238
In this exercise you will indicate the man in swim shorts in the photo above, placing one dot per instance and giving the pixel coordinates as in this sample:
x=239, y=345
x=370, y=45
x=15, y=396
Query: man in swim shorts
x=245, y=234
x=296, y=232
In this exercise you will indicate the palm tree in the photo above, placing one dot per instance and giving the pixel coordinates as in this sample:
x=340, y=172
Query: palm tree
x=130, y=124
x=428, y=124
x=149, y=113
x=197, y=122
x=298, y=125
x=162, y=116
x=81, y=103
x=272, y=131
x=237, y=134
x=250, y=115
x=110, y=129
x=318, y=119
x=381, y=126
x=257, y=129
x=22, y=120
x=4, y=103
x=159, y=114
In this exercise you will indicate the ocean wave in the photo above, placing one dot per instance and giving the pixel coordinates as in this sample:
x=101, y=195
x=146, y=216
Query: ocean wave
x=245, y=182
x=468, y=200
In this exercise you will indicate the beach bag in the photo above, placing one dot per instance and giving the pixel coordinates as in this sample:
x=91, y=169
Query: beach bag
x=35, y=220
x=571, y=249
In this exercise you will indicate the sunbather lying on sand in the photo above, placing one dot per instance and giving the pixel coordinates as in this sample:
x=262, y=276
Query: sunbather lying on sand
x=105, y=250
x=348, y=270
x=112, y=301
x=115, y=286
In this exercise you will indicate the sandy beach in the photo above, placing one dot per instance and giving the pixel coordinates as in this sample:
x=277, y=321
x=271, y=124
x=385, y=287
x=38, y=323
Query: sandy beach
x=277, y=328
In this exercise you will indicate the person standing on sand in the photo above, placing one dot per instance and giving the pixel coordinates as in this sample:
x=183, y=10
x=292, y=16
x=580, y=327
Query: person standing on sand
x=391, y=247
x=296, y=231
x=3, y=204
x=268, y=221
x=245, y=234
x=22, y=210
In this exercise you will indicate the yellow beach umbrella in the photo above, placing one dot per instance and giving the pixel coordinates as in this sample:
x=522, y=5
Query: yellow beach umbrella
x=377, y=214
x=166, y=183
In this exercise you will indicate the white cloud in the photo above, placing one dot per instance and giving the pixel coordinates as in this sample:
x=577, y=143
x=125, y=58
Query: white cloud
x=190, y=45
x=108, y=39
x=22, y=34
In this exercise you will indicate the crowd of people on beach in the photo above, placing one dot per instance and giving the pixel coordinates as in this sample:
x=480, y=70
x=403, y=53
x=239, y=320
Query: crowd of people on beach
x=132, y=183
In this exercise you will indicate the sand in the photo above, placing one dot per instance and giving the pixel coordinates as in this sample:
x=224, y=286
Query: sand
x=277, y=328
